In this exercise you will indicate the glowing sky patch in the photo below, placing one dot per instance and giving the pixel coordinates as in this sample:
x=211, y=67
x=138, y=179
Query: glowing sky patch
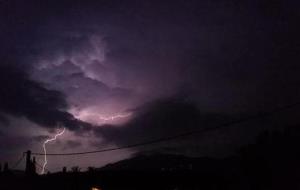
x=90, y=116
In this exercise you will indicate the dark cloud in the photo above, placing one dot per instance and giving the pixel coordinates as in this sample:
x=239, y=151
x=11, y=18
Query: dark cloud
x=21, y=96
x=230, y=55
x=104, y=57
x=160, y=119
x=174, y=116
x=3, y=120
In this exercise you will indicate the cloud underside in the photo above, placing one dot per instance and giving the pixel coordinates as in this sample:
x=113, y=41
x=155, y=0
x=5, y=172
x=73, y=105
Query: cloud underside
x=161, y=119
x=23, y=97
x=224, y=57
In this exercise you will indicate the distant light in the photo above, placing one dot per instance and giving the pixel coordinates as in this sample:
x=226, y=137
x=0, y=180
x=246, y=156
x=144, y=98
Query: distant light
x=95, y=188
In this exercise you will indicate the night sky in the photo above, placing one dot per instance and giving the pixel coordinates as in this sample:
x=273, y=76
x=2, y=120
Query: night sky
x=120, y=72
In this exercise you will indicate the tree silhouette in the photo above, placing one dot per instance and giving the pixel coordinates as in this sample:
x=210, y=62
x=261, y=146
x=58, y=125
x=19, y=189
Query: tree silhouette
x=75, y=169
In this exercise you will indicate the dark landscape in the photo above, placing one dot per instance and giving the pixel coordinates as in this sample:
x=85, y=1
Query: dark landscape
x=271, y=163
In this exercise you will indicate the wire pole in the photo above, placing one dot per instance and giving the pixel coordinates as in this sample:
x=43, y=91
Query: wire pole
x=18, y=162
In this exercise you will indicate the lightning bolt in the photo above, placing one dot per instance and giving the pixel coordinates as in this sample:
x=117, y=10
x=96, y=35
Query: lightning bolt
x=114, y=117
x=45, y=150
x=91, y=116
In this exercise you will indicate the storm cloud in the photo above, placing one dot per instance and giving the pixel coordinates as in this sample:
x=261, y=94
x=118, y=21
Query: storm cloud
x=161, y=119
x=23, y=97
x=77, y=62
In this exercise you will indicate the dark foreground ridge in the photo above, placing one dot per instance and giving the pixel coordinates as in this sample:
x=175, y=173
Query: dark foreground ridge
x=270, y=163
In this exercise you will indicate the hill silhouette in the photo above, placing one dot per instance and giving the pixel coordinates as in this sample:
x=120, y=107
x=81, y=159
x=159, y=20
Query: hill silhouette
x=272, y=162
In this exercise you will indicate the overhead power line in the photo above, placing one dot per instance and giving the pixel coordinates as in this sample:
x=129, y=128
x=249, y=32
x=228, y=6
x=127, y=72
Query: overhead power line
x=169, y=138
x=18, y=162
